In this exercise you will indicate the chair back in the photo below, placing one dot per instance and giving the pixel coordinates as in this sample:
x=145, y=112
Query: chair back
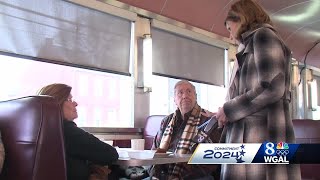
x=151, y=128
x=307, y=132
x=32, y=135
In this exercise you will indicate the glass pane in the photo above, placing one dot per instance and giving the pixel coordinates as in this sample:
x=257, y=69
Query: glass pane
x=162, y=96
x=104, y=99
x=314, y=99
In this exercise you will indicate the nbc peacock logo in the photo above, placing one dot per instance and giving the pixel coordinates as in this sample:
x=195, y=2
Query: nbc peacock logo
x=282, y=149
x=276, y=153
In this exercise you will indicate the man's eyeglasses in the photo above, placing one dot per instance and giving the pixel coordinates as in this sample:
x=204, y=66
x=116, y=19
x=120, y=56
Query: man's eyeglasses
x=180, y=93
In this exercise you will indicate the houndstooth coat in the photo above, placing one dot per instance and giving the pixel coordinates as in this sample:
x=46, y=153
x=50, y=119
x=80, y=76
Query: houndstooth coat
x=258, y=109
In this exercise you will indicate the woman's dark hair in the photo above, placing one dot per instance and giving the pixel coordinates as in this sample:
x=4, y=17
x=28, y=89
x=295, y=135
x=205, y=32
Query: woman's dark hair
x=60, y=92
x=249, y=14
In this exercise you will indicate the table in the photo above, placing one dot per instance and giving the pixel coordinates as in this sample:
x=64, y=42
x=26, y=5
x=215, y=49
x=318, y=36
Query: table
x=174, y=158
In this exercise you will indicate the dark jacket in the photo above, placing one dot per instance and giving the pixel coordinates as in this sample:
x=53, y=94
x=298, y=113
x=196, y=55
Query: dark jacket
x=83, y=148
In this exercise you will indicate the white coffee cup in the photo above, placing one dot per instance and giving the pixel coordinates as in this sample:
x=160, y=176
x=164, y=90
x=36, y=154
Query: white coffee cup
x=137, y=144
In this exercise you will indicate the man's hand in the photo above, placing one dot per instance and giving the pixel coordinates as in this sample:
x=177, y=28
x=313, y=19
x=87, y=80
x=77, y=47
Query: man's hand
x=221, y=116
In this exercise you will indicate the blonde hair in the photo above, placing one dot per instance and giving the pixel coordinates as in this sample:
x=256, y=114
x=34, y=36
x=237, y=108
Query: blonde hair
x=60, y=92
x=249, y=14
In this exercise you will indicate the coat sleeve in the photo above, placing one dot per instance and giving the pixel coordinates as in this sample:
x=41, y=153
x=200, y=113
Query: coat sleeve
x=83, y=145
x=269, y=58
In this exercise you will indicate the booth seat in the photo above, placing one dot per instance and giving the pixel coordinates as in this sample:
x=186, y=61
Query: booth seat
x=151, y=128
x=31, y=129
x=307, y=131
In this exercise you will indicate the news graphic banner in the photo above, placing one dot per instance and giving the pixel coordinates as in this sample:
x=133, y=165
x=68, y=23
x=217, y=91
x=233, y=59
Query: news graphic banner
x=259, y=153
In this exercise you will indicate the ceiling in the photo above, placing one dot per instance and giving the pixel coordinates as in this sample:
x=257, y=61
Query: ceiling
x=298, y=21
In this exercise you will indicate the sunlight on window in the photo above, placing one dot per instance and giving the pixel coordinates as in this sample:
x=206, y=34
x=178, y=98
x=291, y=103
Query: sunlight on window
x=97, y=93
x=112, y=114
x=97, y=116
x=83, y=83
x=82, y=115
x=98, y=88
x=112, y=91
x=314, y=95
x=300, y=102
x=160, y=97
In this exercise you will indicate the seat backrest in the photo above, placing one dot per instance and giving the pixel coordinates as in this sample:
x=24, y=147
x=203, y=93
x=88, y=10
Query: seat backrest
x=151, y=128
x=32, y=135
x=307, y=132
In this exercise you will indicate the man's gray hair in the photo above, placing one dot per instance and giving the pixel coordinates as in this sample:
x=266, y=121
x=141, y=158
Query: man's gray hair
x=184, y=82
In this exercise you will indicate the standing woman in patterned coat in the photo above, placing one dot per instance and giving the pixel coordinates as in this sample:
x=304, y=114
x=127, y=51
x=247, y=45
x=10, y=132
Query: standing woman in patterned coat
x=259, y=96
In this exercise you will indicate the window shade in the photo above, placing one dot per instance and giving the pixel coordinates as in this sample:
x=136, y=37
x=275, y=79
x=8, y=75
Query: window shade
x=178, y=56
x=61, y=31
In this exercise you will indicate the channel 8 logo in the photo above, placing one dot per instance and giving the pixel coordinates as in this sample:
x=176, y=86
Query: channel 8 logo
x=269, y=149
x=280, y=149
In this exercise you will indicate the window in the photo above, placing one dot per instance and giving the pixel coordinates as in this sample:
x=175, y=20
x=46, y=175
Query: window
x=178, y=56
x=162, y=96
x=104, y=99
x=62, y=31
x=315, y=98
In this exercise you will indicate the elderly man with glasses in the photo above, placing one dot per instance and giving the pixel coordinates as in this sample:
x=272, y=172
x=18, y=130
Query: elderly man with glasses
x=177, y=134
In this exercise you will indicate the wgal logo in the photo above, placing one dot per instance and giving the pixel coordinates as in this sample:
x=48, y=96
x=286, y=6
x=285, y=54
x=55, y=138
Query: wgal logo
x=276, y=153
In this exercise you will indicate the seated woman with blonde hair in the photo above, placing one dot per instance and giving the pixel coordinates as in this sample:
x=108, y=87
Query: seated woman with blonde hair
x=86, y=155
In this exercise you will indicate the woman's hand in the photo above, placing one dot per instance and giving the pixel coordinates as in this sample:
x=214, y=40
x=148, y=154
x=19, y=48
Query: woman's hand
x=221, y=116
x=161, y=150
x=208, y=113
x=98, y=172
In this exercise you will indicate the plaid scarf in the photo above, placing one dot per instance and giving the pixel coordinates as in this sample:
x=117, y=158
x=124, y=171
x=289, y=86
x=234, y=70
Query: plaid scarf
x=183, y=146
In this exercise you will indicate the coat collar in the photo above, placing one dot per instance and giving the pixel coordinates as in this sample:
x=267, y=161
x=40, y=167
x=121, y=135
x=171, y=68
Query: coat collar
x=246, y=39
x=247, y=34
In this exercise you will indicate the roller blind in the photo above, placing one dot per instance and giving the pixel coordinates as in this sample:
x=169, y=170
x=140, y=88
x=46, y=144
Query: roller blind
x=65, y=32
x=178, y=56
